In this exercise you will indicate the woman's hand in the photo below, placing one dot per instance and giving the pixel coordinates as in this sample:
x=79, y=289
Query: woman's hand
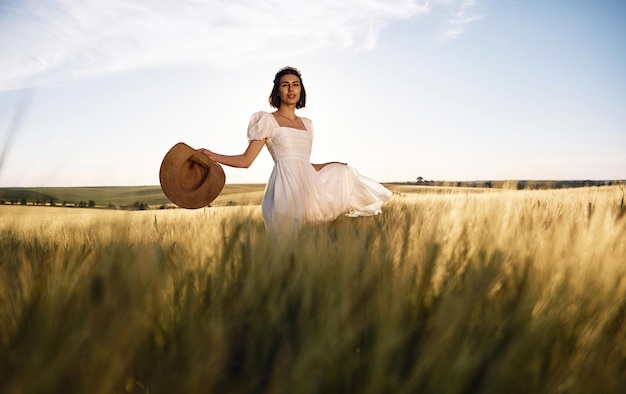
x=208, y=154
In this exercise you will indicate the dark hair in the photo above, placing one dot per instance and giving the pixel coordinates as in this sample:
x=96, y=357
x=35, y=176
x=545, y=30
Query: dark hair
x=275, y=97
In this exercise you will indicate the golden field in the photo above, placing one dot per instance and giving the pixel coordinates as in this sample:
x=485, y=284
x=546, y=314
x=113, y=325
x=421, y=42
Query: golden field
x=448, y=291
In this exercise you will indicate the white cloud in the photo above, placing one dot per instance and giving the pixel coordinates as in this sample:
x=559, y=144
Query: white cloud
x=46, y=41
x=463, y=14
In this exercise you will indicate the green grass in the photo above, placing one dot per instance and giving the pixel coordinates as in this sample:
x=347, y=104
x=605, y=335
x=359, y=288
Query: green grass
x=239, y=194
x=507, y=291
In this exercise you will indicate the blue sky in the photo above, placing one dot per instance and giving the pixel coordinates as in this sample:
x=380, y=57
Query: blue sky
x=96, y=92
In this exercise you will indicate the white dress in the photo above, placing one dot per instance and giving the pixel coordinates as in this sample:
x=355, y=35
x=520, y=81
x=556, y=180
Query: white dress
x=296, y=193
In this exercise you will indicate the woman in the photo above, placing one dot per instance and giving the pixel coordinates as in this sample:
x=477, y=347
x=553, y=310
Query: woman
x=300, y=192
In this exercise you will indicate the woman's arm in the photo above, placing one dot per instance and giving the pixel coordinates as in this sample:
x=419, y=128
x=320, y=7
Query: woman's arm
x=240, y=161
x=318, y=167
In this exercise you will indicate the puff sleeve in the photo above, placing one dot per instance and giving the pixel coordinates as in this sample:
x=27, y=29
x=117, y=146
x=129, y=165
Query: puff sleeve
x=261, y=126
x=308, y=124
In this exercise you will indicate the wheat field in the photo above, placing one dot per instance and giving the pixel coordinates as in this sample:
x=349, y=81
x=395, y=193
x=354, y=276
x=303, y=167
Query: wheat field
x=445, y=292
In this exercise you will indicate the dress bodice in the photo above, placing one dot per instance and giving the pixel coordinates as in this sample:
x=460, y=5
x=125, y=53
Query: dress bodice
x=282, y=142
x=288, y=143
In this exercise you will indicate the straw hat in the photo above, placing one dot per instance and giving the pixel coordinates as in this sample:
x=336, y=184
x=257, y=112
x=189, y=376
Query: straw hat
x=189, y=178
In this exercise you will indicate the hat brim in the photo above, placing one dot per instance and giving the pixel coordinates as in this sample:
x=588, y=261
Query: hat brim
x=189, y=178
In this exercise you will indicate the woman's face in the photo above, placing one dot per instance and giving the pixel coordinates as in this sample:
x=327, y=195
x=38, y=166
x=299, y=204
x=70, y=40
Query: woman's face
x=289, y=89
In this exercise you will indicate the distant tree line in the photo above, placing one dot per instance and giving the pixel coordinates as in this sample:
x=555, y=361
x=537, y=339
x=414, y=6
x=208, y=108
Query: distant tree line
x=136, y=206
x=515, y=184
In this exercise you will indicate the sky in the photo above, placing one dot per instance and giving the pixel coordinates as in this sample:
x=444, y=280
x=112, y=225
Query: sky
x=94, y=93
